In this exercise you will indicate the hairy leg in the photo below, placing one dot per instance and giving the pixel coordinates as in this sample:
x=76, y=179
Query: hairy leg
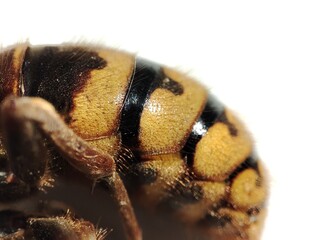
x=25, y=120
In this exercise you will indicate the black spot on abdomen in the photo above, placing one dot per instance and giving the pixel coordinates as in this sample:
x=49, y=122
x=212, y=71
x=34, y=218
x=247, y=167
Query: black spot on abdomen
x=232, y=129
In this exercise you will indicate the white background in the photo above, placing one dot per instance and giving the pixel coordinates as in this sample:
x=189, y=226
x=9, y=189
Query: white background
x=261, y=58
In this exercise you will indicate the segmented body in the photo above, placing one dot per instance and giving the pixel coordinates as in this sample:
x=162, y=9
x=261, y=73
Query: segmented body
x=191, y=155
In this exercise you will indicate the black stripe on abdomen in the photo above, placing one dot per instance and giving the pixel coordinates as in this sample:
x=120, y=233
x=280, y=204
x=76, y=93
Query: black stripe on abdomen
x=147, y=77
x=212, y=111
x=251, y=162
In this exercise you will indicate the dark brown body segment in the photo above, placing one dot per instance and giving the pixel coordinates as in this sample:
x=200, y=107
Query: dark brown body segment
x=187, y=152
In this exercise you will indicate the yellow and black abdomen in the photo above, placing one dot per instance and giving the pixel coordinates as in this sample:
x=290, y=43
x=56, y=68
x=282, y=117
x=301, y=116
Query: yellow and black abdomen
x=191, y=155
x=196, y=158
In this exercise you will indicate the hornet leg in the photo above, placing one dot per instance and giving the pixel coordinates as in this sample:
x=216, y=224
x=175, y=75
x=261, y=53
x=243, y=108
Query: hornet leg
x=26, y=119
